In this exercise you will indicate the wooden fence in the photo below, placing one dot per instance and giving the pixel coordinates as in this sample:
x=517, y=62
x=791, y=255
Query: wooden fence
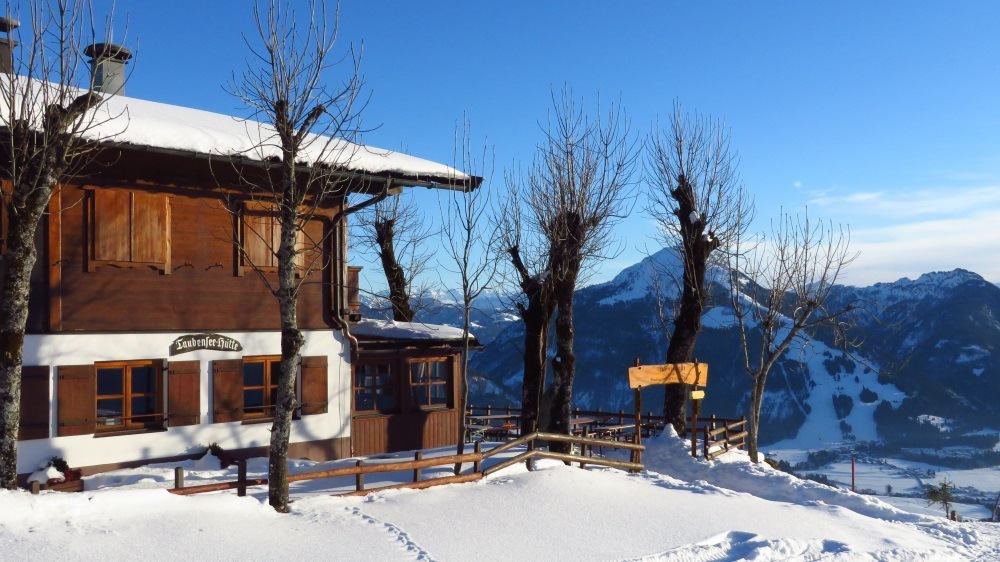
x=360, y=469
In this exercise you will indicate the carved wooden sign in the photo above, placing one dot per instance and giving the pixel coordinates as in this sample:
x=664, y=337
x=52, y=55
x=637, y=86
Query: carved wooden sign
x=194, y=342
x=675, y=373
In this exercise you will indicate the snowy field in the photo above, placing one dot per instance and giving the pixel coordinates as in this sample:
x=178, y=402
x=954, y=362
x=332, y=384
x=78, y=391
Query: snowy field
x=679, y=509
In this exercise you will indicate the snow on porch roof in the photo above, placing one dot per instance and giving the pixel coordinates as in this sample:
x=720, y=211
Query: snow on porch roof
x=411, y=331
x=143, y=123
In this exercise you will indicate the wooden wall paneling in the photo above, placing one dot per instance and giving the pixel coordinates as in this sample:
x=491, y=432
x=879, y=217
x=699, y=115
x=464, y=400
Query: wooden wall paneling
x=34, y=403
x=183, y=393
x=227, y=390
x=54, y=260
x=76, y=398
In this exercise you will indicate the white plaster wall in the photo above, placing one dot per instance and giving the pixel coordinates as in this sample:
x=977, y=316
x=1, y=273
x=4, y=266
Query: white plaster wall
x=82, y=349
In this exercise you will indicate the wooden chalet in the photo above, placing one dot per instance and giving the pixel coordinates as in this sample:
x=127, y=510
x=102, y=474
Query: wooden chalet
x=151, y=337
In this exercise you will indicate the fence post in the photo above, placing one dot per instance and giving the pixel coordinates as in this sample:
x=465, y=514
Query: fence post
x=706, y=443
x=241, y=471
x=416, y=471
x=36, y=487
x=178, y=477
x=489, y=410
x=359, y=479
x=477, y=466
x=621, y=417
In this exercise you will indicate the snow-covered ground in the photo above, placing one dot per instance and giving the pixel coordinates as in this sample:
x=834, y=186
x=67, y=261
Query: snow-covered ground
x=678, y=509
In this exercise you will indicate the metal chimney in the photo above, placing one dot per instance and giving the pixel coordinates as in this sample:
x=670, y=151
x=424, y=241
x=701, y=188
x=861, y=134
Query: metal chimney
x=7, y=45
x=108, y=67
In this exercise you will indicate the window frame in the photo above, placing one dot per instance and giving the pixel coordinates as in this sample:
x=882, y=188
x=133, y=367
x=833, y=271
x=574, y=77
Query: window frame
x=426, y=386
x=392, y=384
x=93, y=229
x=153, y=420
x=266, y=410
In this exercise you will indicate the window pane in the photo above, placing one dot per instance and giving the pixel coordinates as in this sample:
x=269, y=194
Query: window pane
x=439, y=394
x=363, y=401
x=384, y=400
x=143, y=380
x=143, y=405
x=439, y=371
x=274, y=369
x=112, y=409
x=110, y=381
x=418, y=372
x=253, y=398
x=253, y=375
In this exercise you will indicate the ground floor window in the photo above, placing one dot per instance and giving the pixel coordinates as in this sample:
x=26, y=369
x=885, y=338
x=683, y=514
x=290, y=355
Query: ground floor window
x=260, y=386
x=129, y=395
x=375, y=388
x=429, y=382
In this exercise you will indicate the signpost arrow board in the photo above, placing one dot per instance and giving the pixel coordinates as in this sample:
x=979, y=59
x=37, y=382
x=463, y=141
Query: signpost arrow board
x=675, y=373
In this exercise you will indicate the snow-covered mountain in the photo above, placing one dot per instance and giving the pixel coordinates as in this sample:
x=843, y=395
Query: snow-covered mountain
x=927, y=376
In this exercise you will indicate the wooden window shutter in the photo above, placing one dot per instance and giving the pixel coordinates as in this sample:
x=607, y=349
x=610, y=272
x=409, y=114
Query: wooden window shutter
x=149, y=227
x=112, y=215
x=314, y=385
x=34, y=403
x=227, y=390
x=183, y=393
x=77, y=400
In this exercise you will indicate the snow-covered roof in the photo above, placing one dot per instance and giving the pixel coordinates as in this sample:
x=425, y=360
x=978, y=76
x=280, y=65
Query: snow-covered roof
x=143, y=123
x=388, y=329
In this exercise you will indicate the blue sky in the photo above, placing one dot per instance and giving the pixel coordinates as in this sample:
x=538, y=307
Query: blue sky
x=881, y=115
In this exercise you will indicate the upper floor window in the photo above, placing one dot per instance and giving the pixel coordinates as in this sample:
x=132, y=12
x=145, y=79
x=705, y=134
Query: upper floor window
x=129, y=228
x=429, y=383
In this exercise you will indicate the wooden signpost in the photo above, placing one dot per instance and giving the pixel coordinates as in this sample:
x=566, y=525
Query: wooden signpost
x=693, y=374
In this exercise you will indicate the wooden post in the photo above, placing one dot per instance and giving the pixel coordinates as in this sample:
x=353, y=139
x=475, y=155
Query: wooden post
x=241, y=470
x=477, y=467
x=621, y=417
x=416, y=471
x=705, y=443
x=694, y=430
x=178, y=477
x=489, y=409
x=36, y=487
x=359, y=479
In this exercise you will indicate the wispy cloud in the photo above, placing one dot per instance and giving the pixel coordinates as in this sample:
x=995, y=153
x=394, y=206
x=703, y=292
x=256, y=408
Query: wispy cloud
x=897, y=204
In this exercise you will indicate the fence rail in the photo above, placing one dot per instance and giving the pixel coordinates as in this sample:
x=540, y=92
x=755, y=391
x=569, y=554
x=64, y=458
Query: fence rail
x=360, y=469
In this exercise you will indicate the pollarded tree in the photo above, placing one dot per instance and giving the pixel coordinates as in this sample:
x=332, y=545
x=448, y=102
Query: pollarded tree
x=701, y=209
x=304, y=125
x=578, y=187
x=395, y=232
x=51, y=124
x=779, y=289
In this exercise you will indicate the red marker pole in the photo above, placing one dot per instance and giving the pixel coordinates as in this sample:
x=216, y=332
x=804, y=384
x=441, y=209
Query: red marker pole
x=852, y=473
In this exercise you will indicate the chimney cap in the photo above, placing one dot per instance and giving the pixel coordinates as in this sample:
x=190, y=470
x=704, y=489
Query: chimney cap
x=8, y=24
x=103, y=51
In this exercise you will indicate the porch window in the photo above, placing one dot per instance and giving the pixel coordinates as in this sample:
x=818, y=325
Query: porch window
x=129, y=395
x=375, y=388
x=429, y=383
x=260, y=386
x=129, y=228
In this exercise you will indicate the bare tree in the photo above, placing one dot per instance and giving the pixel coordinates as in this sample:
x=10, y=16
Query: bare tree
x=779, y=289
x=395, y=232
x=303, y=125
x=50, y=126
x=578, y=188
x=471, y=243
x=698, y=201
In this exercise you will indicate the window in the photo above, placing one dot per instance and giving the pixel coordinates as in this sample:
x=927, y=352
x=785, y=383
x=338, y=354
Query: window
x=260, y=386
x=129, y=395
x=261, y=236
x=374, y=388
x=429, y=383
x=129, y=228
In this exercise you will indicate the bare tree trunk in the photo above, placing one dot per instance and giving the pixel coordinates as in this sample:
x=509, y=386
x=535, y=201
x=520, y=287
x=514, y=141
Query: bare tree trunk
x=291, y=344
x=394, y=274
x=756, y=400
x=15, y=286
x=563, y=367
